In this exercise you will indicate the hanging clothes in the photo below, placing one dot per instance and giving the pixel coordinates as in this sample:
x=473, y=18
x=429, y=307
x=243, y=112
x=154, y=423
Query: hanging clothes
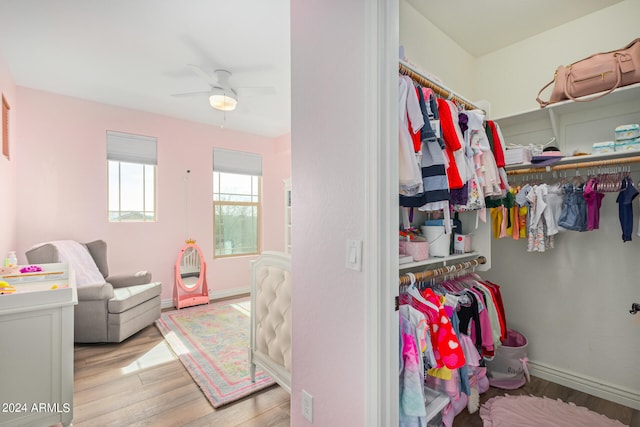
x=445, y=342
x=593, y=201
x=625, y=207
x=412, y=408
x=453, y=143
x=410, y=115
x=434, y=179
x=496, y=140
x=555, y=198
x=488, y=170
x=498, y=149
x=475, y=194
x=574, y=209
x=474, y=333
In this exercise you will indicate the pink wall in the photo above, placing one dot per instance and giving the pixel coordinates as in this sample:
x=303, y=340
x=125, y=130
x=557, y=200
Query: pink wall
x=328, y=151
x=8, y=233
x=61, y=182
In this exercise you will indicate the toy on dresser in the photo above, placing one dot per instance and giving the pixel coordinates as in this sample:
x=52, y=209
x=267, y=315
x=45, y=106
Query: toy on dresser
x=6, y=288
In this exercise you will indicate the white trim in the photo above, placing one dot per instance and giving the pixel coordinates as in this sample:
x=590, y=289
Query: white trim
x=586, y=384
x=381, y=200
x=227, y=293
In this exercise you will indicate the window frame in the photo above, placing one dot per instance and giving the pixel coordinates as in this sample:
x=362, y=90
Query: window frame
x=137, y=150
x=222, y=203
x=143, y=212
x=5, y=127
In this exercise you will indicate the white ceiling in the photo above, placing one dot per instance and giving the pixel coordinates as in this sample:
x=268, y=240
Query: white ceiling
x=482, y=26
x=136, y=53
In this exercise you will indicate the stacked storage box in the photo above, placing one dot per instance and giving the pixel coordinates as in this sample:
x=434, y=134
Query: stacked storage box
x=627, y=137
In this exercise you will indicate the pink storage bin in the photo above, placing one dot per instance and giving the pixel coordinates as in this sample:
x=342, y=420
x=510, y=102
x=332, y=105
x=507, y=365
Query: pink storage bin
x=418, y=250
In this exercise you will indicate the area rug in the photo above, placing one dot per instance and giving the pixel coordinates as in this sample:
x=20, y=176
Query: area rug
x=532, y=411
x=212, y=342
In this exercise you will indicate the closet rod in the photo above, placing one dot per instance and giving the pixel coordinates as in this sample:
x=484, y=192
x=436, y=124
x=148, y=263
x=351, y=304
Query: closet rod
x=594, y=164
x=441, y=90
x=405, y=279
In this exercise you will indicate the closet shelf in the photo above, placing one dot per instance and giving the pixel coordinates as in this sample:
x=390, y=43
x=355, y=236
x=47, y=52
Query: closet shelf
x=437, y=402
x=444, y=260
x=578, y=162
x=573, y=124
x=621, y=95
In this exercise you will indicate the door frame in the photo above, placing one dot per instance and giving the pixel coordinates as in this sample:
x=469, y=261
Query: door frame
x=381, y=198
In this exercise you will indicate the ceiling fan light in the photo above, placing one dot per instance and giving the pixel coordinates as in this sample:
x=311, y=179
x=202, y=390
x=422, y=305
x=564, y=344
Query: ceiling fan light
x=223, y=101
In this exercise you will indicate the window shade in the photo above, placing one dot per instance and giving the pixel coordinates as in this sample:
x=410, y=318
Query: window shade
x=126, y=147
x=240, y=162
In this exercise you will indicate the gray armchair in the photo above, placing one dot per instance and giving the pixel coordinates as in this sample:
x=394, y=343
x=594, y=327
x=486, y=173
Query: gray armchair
x=108, y=310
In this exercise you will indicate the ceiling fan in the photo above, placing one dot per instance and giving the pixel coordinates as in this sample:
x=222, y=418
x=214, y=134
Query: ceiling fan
x=223, y=96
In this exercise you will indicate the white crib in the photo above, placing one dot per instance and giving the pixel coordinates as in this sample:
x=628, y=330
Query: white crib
x=270, y=344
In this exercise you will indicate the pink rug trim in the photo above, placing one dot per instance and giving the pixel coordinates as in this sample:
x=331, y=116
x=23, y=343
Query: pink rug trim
x=211, y=341
x=532, y=411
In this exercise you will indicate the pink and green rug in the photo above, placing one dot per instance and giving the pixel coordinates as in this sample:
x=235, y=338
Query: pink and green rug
x=212, y=342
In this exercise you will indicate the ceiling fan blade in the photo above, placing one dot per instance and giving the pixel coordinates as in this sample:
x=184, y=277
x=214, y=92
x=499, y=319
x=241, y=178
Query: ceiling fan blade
x=256, y=91
x=208, y=77
x=188, y=94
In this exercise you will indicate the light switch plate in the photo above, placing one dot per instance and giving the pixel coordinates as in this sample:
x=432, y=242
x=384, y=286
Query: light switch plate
x=354, y=255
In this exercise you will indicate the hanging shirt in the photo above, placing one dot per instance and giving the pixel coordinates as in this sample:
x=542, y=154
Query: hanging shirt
x=408, y=172
x=487, y=170
x=498, y=145
x=625, y=207
x=412, y=408
x=446, y=345
x=538, y=241
x=593, y=200
x=453, y=144
x=555, y=197
x=574, y=209
x=523, y=212
x=416, y=137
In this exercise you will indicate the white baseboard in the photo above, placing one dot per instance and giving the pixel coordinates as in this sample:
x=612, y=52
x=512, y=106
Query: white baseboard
x=227, y=293
x=586, y=384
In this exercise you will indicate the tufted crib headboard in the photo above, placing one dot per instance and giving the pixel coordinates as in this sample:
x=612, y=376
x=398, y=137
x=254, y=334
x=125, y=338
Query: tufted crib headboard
x=270, y=344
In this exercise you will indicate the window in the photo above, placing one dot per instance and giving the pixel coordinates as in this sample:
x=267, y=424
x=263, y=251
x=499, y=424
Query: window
x=236, y=202
x=5, y=127
x=132, y=177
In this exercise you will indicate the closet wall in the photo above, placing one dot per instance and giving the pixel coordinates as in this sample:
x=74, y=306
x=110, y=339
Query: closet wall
x=571, y=302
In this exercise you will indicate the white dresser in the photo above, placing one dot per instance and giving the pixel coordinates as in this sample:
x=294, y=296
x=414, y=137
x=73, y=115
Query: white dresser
x=36, y=348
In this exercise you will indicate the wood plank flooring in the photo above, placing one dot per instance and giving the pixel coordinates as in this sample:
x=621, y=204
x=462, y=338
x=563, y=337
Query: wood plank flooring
x=540, y=387
x=140, y=382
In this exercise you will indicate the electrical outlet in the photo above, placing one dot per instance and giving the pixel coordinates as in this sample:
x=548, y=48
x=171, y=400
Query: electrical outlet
x=307, y=406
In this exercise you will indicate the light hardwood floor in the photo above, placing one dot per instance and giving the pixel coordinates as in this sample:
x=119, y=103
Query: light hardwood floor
x=540, y=387
x=140, y=382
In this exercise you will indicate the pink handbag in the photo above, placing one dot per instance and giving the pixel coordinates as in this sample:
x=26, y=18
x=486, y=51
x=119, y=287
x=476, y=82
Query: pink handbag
x=601, y=72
